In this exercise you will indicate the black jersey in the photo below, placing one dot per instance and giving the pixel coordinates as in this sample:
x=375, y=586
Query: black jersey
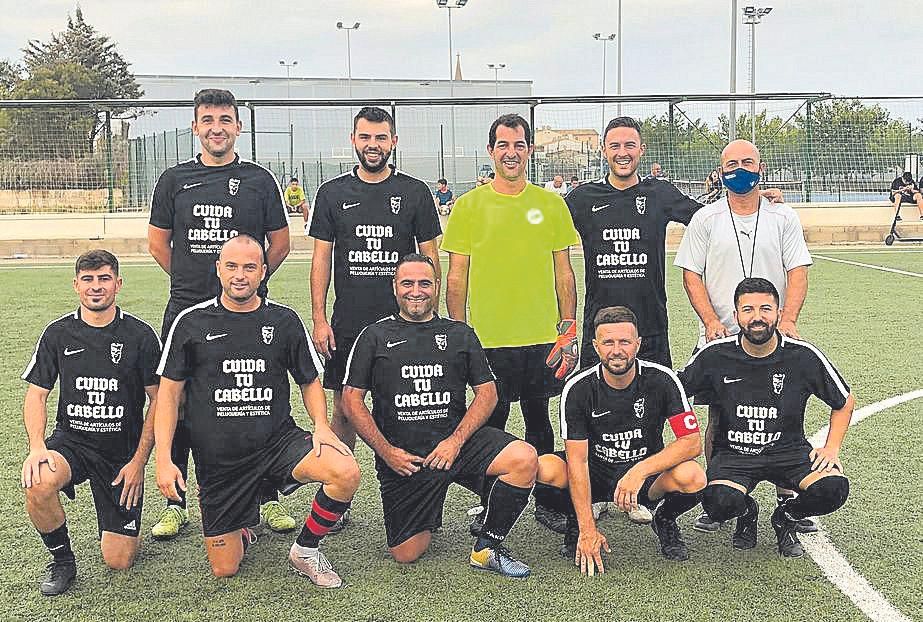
x=236, y=367
x=759, y=402
x=623, y=234
x=103, y=372
x=624, y=426
x=418, y=373
x=205, y=206
x=371, y=226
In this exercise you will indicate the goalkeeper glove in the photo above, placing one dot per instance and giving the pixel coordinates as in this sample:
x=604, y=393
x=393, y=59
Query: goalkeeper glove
x=563, y=353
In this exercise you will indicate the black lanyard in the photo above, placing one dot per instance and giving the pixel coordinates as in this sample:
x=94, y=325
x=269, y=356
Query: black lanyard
x=740, y=252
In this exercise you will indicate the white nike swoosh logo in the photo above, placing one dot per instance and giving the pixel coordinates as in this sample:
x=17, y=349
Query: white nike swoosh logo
x=55, y=548
x=730, y=380
x=188, y=186
x=596, y=208
x=596, y=414
x=391, y=344
x=210, y=337
x=349, y=205
x=69, y=352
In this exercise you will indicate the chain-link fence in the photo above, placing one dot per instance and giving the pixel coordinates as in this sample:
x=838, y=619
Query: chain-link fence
x=107, y=155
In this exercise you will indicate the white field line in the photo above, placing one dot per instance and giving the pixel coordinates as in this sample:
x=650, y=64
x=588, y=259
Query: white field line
x=833, y=564
x=868, y=265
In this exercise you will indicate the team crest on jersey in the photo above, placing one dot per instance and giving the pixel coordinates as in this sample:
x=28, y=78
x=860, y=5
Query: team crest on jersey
x=777, y=380
x=115, y=352
x=233, y=186
x=639, y=408
x=535, y=216
x=267, y=332
x=441, y=342
x=641, y=204
x=395, y=205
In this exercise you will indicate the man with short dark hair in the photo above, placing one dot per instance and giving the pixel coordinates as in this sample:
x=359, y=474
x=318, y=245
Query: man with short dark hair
x=418, y=366
x=508, y=243
x=197, y=205
x=295, y=200
x=444, y=197
x=574, y=182
x=904, y=190
x=362, y=223
x=106, y=361
x=612, y=421
x=233, y=355
x=758, y=383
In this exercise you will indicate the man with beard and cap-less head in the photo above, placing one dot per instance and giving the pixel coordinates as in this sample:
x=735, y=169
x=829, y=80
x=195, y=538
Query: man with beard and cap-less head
x=758, y=383
x=742, y=235
x=362, y=223
x=612, y=422
x=418, y=367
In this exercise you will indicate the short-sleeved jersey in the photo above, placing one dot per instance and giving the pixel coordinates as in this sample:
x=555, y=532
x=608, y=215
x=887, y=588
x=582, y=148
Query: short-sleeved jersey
x=624, y=426
x=709, y=248
x=899, y=183
x=624, y=235
x=205, y=206
x=371, y=227
x=509, y=240
x=103, y=373
x=759, y=402
x=418, y=373
x=443, y=197
x=236, y=367
x=294, y=196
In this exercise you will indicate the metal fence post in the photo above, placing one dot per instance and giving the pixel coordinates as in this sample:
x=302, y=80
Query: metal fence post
x=670, y=152
x=109, y=172
x=532, y=164
x=252, y=132
x=808, y=152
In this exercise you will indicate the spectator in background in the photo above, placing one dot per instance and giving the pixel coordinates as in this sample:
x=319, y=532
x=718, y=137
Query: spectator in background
x=295, y=201
x=556, y=185
x=444, y=197
x=903, y=189
x=657, y=172
x=574, y=182
x=713, y=187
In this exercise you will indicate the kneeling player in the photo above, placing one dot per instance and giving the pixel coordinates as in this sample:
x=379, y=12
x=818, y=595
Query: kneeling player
x=233, y=355
x=418, y=366
x=106, y=360
x=612, y=420
x=760, y=381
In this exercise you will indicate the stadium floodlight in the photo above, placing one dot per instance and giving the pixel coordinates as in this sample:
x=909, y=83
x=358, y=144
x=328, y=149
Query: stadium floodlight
x=753, y=15
x=497, y=67
x=605, y=39
x=455, y=4
x=349, y=64
x=291, y=129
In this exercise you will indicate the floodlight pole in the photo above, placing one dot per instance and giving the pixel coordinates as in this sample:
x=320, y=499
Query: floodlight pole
x=291, y=129
x=349, y=62
x=604, y=39
x=497, y=67
x=753, y=15
x=449, y=5
x=732, y=108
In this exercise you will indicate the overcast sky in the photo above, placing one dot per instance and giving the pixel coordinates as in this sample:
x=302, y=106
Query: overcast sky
x=671, y=46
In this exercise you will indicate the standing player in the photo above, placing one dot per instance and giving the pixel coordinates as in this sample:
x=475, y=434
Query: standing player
x=612, y=420
x=418, y=367
x=198, y=205
x=622, y=222
x=758, y=384
x=106, y=360
x=362, y=223
x=508, y=243
x=740, y=236
x=233, y=354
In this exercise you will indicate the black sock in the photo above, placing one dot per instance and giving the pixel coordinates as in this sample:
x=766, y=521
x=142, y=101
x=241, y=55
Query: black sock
x=783, y=497
x=554, y=499
x=504, y=506
x=675, y=504
x=268, y=492
x=539, y=433
x=324, y=513
x=824, y=496
x=58, y=543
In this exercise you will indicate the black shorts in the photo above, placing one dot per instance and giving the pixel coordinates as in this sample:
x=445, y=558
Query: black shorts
x=229, y=496
x=783, y=466
x=906, y=197
x=522, y=374
x=654, y=348
x=87, y=463
x=604, y=481
x=335, y=367
x=414, y=504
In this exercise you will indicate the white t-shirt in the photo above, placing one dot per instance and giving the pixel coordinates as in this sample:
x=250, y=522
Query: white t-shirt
x=550, y=186
x=709, y=249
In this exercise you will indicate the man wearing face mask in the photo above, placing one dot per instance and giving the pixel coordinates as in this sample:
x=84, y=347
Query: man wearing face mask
x=741, y=236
